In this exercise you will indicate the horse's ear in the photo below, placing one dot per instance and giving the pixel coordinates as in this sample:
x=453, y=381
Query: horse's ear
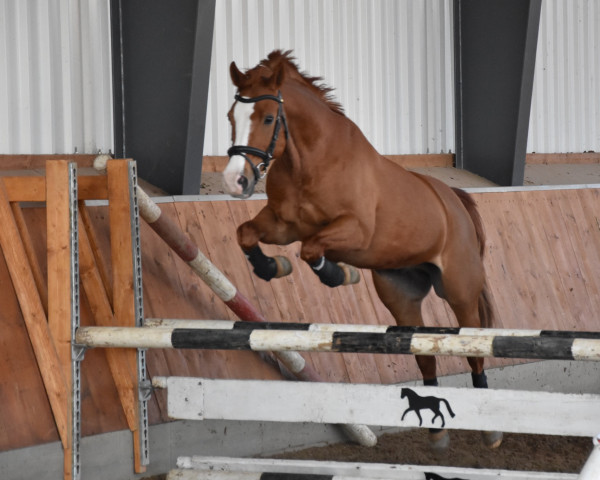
x=279, y=75
x=275, y=79
x=236, y=75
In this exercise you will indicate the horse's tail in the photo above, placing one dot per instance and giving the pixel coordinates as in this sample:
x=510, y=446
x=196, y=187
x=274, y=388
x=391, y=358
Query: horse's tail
x=486, y=312
x=448, y=407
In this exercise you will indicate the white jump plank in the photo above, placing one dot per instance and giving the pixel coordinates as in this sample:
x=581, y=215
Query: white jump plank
x=351, y=470
x=473, y=409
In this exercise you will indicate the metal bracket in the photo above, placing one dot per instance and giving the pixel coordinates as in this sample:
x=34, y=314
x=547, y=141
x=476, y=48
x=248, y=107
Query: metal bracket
x=145, y=390
x=78, y=352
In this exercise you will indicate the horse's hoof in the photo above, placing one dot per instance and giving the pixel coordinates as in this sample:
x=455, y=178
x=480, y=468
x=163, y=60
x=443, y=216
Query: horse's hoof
x=439, y=440
x=351, y=275
x=284, y=267
x=492, y=439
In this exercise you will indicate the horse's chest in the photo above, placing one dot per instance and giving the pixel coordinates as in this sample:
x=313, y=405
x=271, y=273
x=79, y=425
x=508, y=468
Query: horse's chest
x=304, y=215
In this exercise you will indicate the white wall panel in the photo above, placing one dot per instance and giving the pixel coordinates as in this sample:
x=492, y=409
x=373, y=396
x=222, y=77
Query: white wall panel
x=565, y=110
x=390, y=62
x=55, y=76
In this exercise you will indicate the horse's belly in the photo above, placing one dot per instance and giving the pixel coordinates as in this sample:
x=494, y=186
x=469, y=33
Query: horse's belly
x=393, y=252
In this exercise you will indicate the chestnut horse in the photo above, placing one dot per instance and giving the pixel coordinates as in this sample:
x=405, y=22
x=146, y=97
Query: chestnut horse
x=351, y=207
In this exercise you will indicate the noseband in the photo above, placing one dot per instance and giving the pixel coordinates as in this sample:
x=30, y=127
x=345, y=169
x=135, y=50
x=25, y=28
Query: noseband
x=266, y=156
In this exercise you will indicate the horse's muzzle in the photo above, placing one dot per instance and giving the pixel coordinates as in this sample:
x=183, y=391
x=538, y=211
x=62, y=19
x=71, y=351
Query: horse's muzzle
x=247, y=186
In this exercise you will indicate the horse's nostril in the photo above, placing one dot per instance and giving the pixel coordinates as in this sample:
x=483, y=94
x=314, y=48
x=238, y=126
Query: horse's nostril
x=243, y=181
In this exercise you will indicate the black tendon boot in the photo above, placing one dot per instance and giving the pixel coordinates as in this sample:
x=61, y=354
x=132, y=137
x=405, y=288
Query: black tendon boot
x=439, y=439
x=331, y=274
x=268, y=268
x=490, y=439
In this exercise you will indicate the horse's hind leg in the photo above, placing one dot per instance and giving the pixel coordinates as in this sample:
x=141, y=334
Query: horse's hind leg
x=466, y=295
x=402, y=292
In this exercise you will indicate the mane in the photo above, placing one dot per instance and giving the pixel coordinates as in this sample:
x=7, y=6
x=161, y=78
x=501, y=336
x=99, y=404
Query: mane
x=292, y=70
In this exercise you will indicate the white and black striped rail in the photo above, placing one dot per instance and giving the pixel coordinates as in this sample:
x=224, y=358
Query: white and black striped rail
x=270, y=336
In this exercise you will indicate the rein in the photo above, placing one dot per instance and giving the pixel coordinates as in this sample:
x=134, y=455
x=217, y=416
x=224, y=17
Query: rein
x=260, y=170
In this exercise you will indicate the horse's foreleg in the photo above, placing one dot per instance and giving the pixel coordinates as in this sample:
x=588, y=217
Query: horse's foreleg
x=266, y=267
x=335, y=274
x=266, y=228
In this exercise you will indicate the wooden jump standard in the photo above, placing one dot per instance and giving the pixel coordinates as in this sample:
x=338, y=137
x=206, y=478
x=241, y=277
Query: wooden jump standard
x=297, y=337
x=50, y=309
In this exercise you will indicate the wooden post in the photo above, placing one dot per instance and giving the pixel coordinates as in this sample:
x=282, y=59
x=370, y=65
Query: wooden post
x=122, y=245
x=58, y=234
x=59, y=255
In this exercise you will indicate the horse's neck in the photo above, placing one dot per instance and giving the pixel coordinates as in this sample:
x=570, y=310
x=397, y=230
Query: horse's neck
x=306, y=146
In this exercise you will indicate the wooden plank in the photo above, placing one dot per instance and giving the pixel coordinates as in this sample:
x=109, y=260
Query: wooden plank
x=59, y=251
x=58, y=238
x=121, y=245
x=34, y=316
x=25, y=189
x=390, y=405
x=28, y=162
x=36, y=269
x=33, y=189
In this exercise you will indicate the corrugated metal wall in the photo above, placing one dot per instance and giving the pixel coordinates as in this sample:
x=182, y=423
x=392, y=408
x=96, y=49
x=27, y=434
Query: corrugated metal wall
x=55, y=76
x=390, y=61
x=565, y=111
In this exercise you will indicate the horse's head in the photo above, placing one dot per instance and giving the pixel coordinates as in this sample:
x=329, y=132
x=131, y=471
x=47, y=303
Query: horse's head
x=256, y=119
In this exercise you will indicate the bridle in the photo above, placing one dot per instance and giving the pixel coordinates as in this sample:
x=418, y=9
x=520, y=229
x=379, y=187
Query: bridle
x=260, y=170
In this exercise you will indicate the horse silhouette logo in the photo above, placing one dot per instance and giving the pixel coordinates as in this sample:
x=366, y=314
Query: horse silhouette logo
x=416, y=403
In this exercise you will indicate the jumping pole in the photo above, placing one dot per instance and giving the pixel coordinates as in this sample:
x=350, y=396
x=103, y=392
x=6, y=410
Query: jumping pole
x=287, y=338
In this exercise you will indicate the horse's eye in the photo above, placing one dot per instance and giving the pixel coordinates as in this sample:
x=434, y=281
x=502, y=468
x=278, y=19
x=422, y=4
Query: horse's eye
x=269, y=119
